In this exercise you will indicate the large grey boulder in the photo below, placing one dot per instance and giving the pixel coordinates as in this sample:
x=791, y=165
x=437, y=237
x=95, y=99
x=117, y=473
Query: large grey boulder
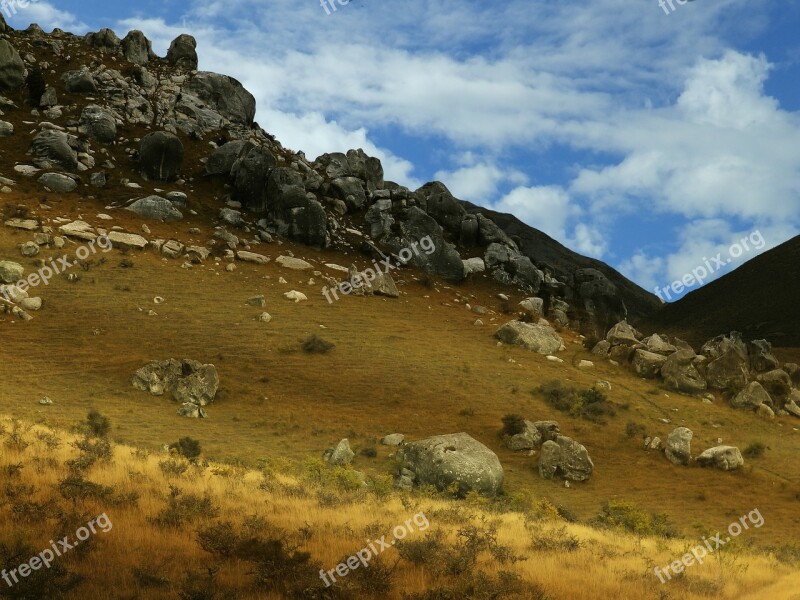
x=726, y=458
x=679, y=372
x=340, y=456
x=623, y=333
x=137, y=48
x=752, y=396
x=565, y=458
x=453, y=460
x=729, y=372
x=250, y=178
x=58, y=183
x=761, y=357
x=79, y=81
x=189, y=381
x=350, y=190
x=12, y=69
x=223, y=158
x=225, y=95
x=415, y=225
x=679, y=446
x=182, y=52
x=98, y=124
x=160, y=156
x=777, y=383
x=439, y=203
x=537, y=338
x=648, y=364
x=528, y=439
x=658, y=345
x=52, y=149
x=105, y=39
x=156, y=208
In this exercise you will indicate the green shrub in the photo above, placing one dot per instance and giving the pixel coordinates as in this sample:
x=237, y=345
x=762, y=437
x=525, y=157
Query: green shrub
x=618, y=514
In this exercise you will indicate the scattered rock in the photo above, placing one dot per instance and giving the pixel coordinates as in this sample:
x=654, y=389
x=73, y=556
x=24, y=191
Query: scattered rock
x=726, y=458
x=679, y=446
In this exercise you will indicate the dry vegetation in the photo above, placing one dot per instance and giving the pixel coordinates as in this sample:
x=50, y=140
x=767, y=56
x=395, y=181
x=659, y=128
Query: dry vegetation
x=204, y=530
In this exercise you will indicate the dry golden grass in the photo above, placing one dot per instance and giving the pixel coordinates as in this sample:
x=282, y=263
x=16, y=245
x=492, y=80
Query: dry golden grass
x=337, y=522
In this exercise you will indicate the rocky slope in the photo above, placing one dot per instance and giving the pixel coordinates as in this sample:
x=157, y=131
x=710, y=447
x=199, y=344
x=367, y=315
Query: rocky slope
x=96, y=115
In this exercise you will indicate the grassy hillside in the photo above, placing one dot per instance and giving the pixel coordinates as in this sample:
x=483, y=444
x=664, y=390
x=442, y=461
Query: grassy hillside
x=171, y=529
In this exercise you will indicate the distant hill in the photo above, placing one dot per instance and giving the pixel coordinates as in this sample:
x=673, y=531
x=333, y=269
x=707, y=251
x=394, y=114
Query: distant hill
x=761, y=299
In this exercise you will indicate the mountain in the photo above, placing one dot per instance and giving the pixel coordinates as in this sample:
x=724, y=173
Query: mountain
x=759, y=299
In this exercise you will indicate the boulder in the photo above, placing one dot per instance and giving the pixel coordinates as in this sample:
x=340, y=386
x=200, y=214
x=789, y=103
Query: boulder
x=761, y=357
x=648, y=364
x=679, y=446
x=225, y=95
x=12, y=69
x=225, y=156
x=658, y=345
x=52, y=149
x=182, y=52
x=56, y=182
x=528, y=439
x=443, y=260
x=726, y=458
x=623, y=333
x=105, y=39
x=98, y=124
x=679, y=372
x=601, y=348
x=729, y=372
x=10, y=272
x=453, y=460
x=793, y=371
x=137, y=48
x=777, y=383
x=350, y=190
x=537, y=338
x=533, y=306
x=752, y=396
x=79, y=81
x=342, y=455
x=156, y=208
x=160, y=156
x=393, y=439
x=189, y=381
x=565, y=458
x=250, y=178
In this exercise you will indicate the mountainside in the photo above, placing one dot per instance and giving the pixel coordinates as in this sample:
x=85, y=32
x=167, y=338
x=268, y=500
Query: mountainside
x=100, y=113
x=759, y=299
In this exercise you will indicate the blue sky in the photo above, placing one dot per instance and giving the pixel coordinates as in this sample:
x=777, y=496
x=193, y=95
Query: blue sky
x=648, y=140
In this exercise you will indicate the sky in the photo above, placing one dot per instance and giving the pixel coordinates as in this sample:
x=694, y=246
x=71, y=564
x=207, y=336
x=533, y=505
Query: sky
x=651, y=138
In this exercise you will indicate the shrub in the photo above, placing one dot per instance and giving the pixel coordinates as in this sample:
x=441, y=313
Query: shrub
x=369, y=452
x=187, y=447
x=619, y=514
x=633, y=429
x=591, y=404
x=173, y=468
x=513, y=424
x=755, y=450
x=316, y=345
x=181, y=508
x=420, y=552
x=97, y=425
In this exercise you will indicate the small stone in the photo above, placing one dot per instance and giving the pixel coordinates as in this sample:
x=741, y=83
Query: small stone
x=265, y=317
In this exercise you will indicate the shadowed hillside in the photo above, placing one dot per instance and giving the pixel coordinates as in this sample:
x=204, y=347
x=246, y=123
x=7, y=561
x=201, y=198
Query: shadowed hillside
x=759, y=299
